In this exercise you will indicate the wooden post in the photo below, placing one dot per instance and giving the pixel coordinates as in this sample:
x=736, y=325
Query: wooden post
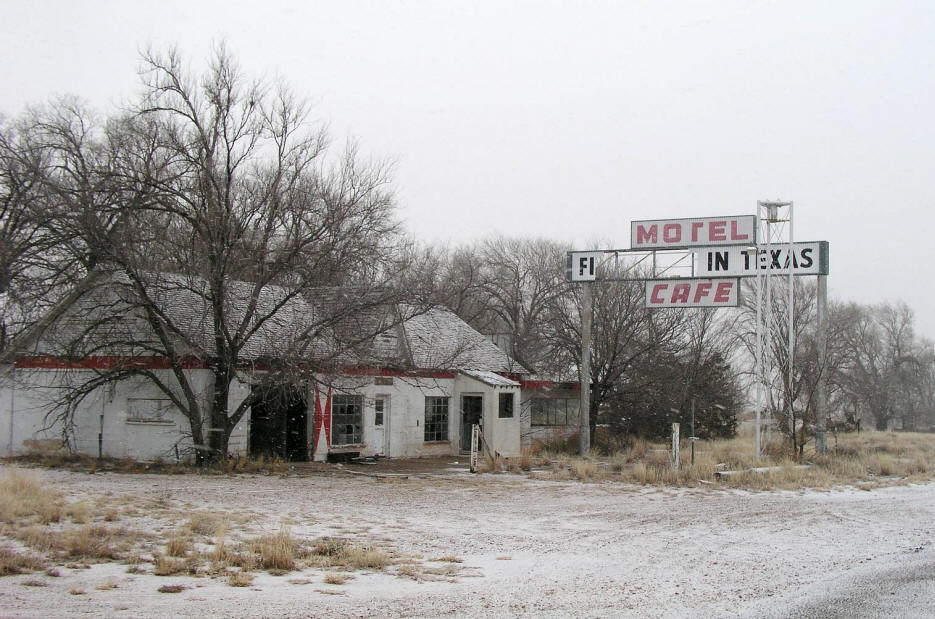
x=474, y=430
x=676, y=455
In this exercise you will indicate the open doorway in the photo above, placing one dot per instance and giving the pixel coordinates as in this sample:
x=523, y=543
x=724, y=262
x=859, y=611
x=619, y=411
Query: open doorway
x=472, y=412
x=279, y=425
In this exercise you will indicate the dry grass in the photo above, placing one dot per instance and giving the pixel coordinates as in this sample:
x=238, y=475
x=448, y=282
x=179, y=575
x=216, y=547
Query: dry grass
x=874, y=457
x=336, y=552
x=333, y=578
x=240, y=579
x=14, y=562
x=277, y=551
x=24, y=498
x=179, y=544
x=209, y=523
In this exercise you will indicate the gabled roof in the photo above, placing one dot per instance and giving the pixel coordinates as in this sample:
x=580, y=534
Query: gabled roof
x=104, y=315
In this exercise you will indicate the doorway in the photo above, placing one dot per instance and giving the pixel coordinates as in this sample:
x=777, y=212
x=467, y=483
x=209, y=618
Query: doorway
x=279, y=425
x=472, y=412
x=381, y=425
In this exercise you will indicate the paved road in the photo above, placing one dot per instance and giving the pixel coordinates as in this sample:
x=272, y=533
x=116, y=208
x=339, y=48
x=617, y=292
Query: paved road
x=901, y=588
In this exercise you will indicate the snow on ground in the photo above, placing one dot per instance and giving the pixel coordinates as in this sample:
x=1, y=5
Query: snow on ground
x=530, y=548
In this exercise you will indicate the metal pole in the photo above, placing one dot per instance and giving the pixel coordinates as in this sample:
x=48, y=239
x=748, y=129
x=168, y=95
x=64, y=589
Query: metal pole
x=821, y=401
x=693, y=432
x=584, y=413
x=759, y=350
x=791, y=321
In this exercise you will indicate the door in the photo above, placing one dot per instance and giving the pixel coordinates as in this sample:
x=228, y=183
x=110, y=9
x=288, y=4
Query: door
x=381, y=434
x=472, y=412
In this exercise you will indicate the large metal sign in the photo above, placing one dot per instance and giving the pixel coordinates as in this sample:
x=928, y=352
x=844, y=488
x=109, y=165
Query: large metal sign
x=805, y=259
x=692, y=293
x=693, y=232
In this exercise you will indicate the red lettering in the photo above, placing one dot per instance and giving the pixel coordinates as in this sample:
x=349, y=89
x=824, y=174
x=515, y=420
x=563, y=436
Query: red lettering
x=717, y=231
x=735, y=233
x=672, y=233
x=701, y=290
x=644, y=235
x=696, y=225
x=680, y=293
x=656, y=296
x=722, y=293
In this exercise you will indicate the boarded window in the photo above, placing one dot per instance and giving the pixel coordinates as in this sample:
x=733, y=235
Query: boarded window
x=554, y=411
x=506, y=405
x=149, y=410
x=346, y=419
x=436, y=419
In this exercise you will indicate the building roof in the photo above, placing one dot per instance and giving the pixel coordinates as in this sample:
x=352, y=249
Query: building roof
x=344, y=327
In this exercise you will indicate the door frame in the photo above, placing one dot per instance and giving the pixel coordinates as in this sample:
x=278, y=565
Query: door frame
x=461, y=423
x=384, y=449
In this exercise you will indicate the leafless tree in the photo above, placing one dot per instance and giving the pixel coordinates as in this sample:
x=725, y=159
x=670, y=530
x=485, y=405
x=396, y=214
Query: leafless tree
x=209, y=217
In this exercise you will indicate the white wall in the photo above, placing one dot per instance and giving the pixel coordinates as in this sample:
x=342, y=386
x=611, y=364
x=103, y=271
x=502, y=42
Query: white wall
x=30, y=396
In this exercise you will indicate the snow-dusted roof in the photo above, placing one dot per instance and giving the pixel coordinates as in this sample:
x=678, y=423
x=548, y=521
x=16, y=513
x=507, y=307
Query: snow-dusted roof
x=378, y=334
x=491, y=378
x=439, y=339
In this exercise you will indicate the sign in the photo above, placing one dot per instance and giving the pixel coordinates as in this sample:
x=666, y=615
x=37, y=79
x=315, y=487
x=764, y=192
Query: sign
x=692, y=293
x=694, y=232
x=581, y=266
x=805, y=259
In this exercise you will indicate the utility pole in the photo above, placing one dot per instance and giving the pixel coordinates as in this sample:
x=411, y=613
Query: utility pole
x=821, y=400
x=584, y=412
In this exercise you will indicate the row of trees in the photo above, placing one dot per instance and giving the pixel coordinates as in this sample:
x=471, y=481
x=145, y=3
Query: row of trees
x=230, y=185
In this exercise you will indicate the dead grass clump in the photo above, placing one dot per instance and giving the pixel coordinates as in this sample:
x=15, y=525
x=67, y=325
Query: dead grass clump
x=171, y=588
x=107, y=585
x=336, y=552
x=14, y=562
x=169, y=566
x=34, y=583
x=208, y=523
x=23, y=497
x=333, y=578
x=276, y=551
x=584, y=469
x=448, y=559
x=240, y=579
x=89, y=542
x=179, y=544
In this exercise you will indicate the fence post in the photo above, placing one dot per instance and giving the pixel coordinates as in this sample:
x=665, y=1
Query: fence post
x=474, y=431
x=676, y=454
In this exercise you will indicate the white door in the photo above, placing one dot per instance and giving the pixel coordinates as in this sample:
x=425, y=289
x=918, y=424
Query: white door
x=381, y=434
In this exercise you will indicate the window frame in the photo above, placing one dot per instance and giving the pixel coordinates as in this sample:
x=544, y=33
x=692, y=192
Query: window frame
x=164, y=408
x=510, y=398
x=436, y=422
x=356, y=421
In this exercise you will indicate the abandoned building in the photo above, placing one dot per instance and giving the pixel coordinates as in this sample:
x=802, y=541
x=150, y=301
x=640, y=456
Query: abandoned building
x=413, y=387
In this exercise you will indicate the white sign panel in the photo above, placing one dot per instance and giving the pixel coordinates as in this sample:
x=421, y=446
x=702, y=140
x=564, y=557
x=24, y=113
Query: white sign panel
x=581, y=266
x=805, y=259
x=694, y=232
x=693, y=293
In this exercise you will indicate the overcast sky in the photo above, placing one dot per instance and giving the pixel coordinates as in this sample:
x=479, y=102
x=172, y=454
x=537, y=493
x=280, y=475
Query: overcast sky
x=568, y=120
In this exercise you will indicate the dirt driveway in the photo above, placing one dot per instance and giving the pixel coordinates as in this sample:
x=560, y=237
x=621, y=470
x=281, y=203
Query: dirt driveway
x=526, y=547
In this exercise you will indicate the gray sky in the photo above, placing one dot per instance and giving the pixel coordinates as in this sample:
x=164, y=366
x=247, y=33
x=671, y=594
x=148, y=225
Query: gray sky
x=570, y=119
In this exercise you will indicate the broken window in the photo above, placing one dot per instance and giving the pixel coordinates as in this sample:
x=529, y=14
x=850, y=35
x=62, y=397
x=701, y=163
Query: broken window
x=149, y=410
x=506, y=405
x=346, y=419
x=436, y=419
x=554, y=411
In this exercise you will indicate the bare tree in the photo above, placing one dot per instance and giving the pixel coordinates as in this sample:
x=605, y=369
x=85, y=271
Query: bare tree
x=212, y=218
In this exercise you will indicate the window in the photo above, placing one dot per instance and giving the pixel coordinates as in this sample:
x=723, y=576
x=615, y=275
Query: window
x=149, y=410
x=436, y=419
x=346, y=419
x=506, y=405
x=554, y=411
x=378, y=407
